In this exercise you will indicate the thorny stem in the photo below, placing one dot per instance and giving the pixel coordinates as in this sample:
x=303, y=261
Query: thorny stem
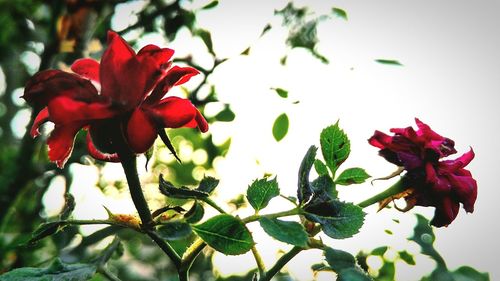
x=396, y=188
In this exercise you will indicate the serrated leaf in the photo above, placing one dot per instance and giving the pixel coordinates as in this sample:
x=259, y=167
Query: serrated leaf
x=208, y=184
x=225, y=115
x=320, y=167
x=168, y=189
x=210, y=5
x=407, y=257
x=338, y=220
x=281, y=92
x=285, y=231
x=195, y=214
x=324, y=187
x=260, y=192
x=352, y=176
x=335, y=146
x=339, y=13
x=225, y=234
x=56, y=271
x=353, y=274
x=207, y=39
x=280, y=127
x=304, y=190
x=175, y=230
x=388, y=62
x=338, y=259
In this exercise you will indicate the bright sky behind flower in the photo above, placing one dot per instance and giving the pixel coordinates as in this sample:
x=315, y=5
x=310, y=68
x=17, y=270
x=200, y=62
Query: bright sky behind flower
x=449, y=51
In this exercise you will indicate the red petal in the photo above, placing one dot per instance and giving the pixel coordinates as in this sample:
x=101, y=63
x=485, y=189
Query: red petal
x=65, y=110
x=42, y=117
x=141, y=132
x=60, y=142
x=445, y=212
x=87, y=68
x=94, y=152
x=380, y=140
x=175, y=76
x=173, y=112
x=161, y=56
x=46, y=85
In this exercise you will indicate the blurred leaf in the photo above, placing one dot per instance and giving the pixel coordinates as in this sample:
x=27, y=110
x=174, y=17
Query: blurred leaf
x=260, y=192
x=69, y=206
x=46, y=229
x=207, y=39
x=387, y=272
x=352, y=176
x=225, y=115
x=174, y=230
x=407, y=257
x=380, y=251
x=225, y=234
x=280, y=127
x=246, y=52
x=320, y=168
x=195, y=214
x=335, y=146
x=283, y=60
x=210, y=5
x=56, y=271
x=339, y=13
x=389, y=62
x=466, y=273
x=339, y=260
x=319, y=267
x=285, y=231
x=353, y=274
x=265, y=29
x=281, y=92
x=149, y=154
x=338, y=220
x=305, y=190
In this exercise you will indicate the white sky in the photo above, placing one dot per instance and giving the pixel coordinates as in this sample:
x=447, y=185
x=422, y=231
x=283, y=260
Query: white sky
x=449, y=79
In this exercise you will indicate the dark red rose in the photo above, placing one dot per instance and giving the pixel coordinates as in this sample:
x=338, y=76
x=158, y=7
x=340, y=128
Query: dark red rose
x=131, y=97
x=430, y=180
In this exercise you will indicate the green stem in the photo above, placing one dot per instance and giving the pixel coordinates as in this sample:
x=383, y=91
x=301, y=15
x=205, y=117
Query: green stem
x=396, y=188
x=260, y=262
x=292, y=212
x=189, y=256
x=282, y=261
x=214, y=205
x=166, y=248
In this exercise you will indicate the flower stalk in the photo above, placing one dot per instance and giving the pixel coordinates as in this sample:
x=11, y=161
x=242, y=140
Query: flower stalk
x=396, y=188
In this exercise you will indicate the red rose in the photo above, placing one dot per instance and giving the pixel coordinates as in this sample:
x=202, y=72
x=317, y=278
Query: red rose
x=429, y=180
x=131, y=97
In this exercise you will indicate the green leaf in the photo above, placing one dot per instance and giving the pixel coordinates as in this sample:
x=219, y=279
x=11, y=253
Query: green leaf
x=210, y=5
x=466, y=273
x=175, y=230
x=338, y=220
x=225, y=234
x=352, y=176
x=339, y=260
x=389, y=62
x=56, y=271
x=46, y=229
x=335, y=146
x=208, y=184
x=339, y=13
x=207, y=39
x=407, y=257
x=281, y=92
x=305, y=190
x=260, y=192
x=320, y=168
x=353, y=274
x=285, y=231
x=380, y=251
x=168, y=189
x=195, y=214
x=225, y=115
x=325, y=187
x=265, y=29
x=280, y=127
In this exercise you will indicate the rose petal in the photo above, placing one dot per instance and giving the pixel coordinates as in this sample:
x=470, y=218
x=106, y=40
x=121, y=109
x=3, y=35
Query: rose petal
x=445, y=212
x=87, y=68
x=141, y=132
x=95, y=153
x=42, y=117
x=66, y=110
x=60, y=142
x=175, y=76
x=172, y=112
